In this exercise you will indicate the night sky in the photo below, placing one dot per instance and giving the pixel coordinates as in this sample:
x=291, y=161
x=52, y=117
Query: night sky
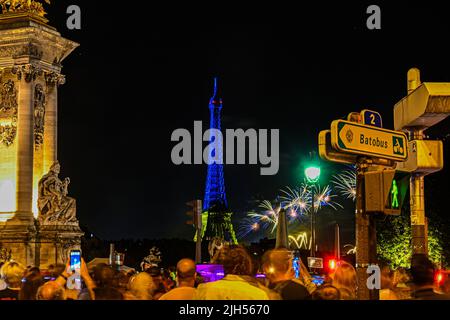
x=141, y=73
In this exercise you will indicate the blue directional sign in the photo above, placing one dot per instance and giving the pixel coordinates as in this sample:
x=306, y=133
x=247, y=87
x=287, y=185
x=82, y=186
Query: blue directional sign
x=372, y=118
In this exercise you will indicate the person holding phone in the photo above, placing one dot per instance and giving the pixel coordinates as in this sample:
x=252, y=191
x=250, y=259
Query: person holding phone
x=76, y=264
x=278, y=266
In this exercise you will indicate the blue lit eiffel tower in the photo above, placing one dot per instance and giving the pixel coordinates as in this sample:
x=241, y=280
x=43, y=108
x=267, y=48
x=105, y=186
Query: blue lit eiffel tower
x=215, y=206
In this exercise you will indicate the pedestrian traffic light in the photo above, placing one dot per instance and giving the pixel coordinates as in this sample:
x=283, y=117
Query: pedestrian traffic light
x=385, y=191
x=195, y=213
x=397, y=193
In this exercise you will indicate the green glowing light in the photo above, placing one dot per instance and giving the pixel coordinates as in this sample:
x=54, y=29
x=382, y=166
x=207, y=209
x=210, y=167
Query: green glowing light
x=312, y=174
x=394, y=194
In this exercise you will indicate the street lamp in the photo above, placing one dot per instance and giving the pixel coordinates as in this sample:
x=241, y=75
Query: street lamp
x=312, y=174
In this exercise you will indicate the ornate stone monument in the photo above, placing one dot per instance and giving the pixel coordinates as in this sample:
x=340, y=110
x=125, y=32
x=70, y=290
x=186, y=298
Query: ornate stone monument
x=38, y=224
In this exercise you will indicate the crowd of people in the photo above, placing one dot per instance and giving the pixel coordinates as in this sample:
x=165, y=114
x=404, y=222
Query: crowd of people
x=239, y=283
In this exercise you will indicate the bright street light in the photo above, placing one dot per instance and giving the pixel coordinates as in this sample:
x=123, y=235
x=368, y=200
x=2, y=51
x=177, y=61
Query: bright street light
x=312, y=174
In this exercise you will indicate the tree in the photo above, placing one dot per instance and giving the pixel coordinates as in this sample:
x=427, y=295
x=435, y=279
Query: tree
x=394, y=242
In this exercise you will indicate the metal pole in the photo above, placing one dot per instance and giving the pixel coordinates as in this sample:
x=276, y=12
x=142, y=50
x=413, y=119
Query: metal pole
x=417, y=204
x=198, y=247
x=337, y=242
x=417, y=185
x=313, y=225
x=365, y=239
x=198, y=244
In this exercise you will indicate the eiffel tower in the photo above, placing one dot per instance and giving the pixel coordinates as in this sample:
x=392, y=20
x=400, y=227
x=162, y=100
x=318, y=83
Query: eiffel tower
x=215, y=205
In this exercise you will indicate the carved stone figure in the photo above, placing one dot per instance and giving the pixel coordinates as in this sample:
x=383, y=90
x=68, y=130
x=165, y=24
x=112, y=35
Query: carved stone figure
x=152, y=260
x=5, y=255
x=30, y=71
x=215, y=244
x=39, y=114
x=55, y=207
x=8, y=113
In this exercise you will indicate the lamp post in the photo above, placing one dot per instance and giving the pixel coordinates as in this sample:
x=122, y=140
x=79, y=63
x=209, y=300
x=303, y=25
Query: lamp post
x=312, y=174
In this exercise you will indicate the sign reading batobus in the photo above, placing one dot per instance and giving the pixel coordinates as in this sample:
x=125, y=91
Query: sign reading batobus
x=355, y=138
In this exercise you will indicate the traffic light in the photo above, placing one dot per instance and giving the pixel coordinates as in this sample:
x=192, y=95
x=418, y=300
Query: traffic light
x=385, y=191
x=397, y=193
x=332, y=265
x=195, y=213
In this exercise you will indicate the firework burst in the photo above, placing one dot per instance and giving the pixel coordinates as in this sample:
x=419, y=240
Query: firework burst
x=247, y=227
x=297, y=203
x=345, y=183
x=267, y=217
x=324, y=198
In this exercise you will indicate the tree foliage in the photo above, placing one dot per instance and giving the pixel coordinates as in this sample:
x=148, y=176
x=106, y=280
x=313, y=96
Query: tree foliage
x=394, y=242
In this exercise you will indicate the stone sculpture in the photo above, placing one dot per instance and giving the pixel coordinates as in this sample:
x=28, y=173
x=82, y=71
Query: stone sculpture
x=55, y=207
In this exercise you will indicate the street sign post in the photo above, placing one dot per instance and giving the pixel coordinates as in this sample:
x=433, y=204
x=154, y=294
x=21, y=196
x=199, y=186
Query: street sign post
x=426, y=105
x=326, y=152
x=425, y=157
x=372, y=118
x=369, y=141
x=362, y=141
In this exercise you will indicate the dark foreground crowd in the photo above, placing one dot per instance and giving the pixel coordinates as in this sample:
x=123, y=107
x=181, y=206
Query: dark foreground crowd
x=239, y=283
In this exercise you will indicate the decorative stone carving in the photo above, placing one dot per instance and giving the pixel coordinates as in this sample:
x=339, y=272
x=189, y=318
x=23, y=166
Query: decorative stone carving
x=215, y=244
x=39, y=115
x=28, y=50
x=55, y=207
x=8, y=113
x=5, y=255
x=30, y=71
x=152, y=260
x=54, y=78
x=23, y=6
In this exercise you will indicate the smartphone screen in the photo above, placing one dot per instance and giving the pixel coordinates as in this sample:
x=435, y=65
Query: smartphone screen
x=75, y=260
x=296, y=266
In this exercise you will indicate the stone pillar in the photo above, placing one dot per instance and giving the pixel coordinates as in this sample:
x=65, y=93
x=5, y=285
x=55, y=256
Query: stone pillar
x=25, y=146
x=31, y=56
x=51, y=119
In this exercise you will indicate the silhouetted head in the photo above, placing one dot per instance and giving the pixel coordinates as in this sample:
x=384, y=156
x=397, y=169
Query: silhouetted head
x=142, y=286
x=51, y=291
x=235, y=260
x=345, y=279
x=30, y=286
x=277, y=264
x=326, y=292
x=12, y=273
x=186, y=272
x=105, y=276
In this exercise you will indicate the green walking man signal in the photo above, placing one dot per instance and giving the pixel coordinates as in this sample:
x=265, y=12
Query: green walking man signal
x=385, y=191
x=394, y=195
